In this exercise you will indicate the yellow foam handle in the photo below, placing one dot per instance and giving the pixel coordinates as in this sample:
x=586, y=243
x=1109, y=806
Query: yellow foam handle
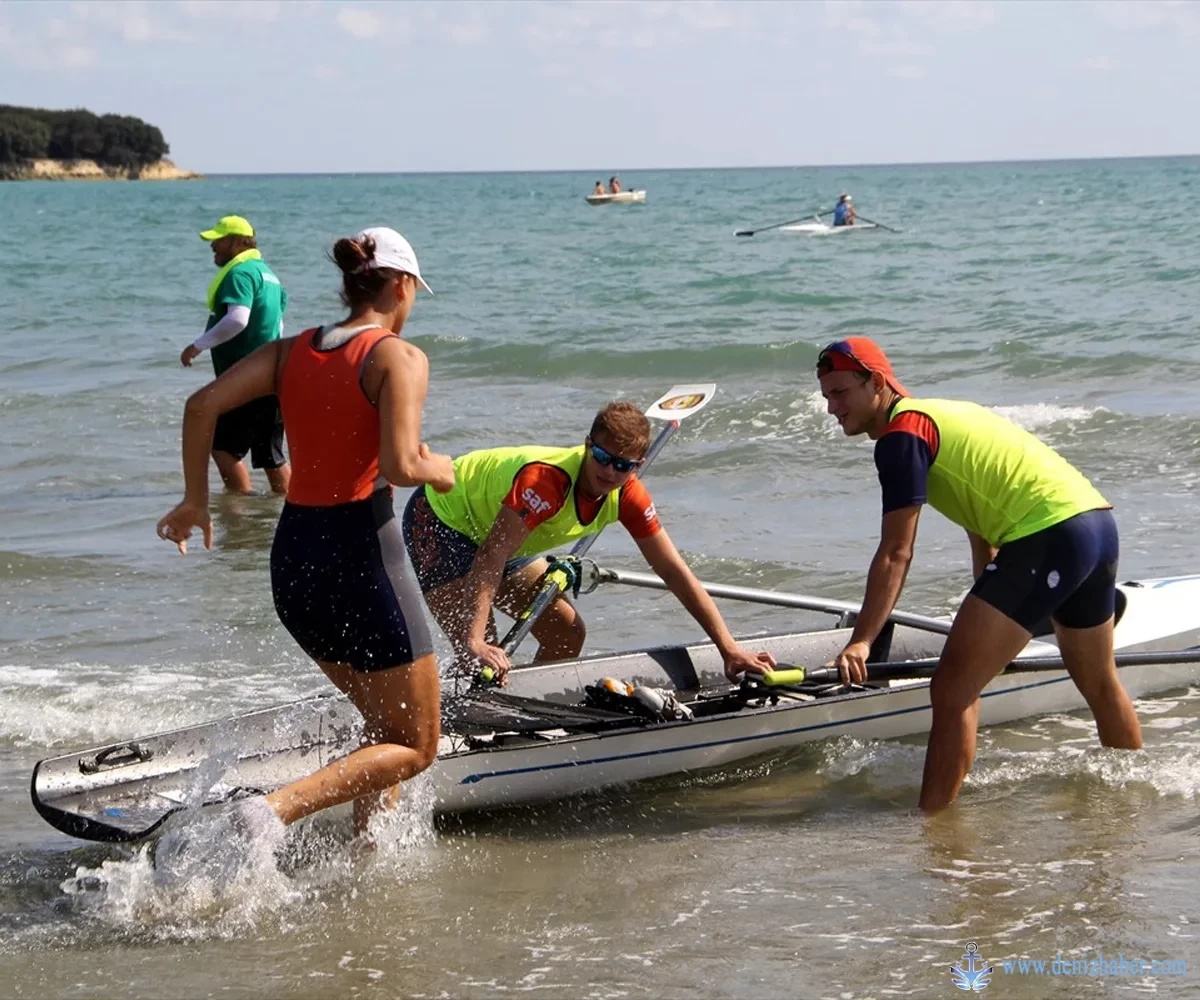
x=780, y=678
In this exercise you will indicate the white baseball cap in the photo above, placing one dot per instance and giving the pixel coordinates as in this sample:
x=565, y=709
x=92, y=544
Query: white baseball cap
x=394, y=251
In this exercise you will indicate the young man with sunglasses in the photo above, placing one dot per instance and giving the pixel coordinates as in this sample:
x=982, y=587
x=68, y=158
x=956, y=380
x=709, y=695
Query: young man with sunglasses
x=481, y=544
x=1043, y=544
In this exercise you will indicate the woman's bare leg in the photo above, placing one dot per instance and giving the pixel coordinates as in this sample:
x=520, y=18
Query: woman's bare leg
x=402, y=714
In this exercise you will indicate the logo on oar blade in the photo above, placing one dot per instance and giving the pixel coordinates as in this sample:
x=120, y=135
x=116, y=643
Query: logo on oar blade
x=970, y=972
x=685, y=402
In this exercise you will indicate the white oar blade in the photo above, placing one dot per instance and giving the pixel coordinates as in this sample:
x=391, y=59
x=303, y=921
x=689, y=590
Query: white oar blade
x=682, y=401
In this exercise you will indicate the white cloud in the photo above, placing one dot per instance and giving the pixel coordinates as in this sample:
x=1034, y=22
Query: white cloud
x=952, y=15
x=887, y=39
x=251, y=11
x=1174, y=15
x=705, y=15
x=53, y=46
x=473, y=32
x=327, y=73
x=562, y=24
x=359, y=23
x=1098, y=64
x=627, y=23
x=72, y=57
x=891, y=47
x=852, y=18
x=134, y=21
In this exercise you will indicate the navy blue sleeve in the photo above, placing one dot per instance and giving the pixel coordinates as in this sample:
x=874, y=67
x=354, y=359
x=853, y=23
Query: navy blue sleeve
x=903, y=461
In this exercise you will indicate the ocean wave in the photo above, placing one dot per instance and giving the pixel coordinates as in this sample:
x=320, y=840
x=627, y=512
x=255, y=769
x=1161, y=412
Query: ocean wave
x=76, y=703
x=483, y=359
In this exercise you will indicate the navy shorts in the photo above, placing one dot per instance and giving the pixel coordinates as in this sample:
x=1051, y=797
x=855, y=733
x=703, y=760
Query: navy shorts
x=1067, y=572
x=440, y=554
x=256, y=427
x=343, y=586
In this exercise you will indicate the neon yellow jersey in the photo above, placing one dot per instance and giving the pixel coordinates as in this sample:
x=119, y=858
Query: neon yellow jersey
x=482, y=479
x=996, y=479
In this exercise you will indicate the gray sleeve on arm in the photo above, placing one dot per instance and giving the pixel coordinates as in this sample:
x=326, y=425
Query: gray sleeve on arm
x=235, y=320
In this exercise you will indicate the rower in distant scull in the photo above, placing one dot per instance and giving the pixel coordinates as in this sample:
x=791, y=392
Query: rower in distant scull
x=482, y=542
x=1043, y=543
x=843, y=212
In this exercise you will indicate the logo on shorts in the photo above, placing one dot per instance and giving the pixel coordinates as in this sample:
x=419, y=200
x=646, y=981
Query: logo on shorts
x=1052, y=579
x=533, y=502
x=684, y=402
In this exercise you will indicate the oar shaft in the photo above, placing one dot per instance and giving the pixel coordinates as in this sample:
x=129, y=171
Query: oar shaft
x=1027, y=664
x=556, y=580
x=780, y=225
x=774, y=597
x=874, y=223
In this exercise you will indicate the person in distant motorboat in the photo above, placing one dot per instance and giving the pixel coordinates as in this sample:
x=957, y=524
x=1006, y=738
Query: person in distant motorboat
x=481, y=543
x=1043, y=544
x=599, y=189
x=614, y=185
x=352, y=393
x=843, y=212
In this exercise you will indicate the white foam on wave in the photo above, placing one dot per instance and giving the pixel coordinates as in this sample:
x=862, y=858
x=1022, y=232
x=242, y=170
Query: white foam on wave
x=888, y=765
x=204, y=877
x=1035, y=416
x=806, y=416
x=1171, y=769
x=1169, y=764
x=211, y=874
x=788, y=419
x=79, y=702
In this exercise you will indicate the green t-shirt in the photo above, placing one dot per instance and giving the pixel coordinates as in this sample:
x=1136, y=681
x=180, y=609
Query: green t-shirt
x=254, y=285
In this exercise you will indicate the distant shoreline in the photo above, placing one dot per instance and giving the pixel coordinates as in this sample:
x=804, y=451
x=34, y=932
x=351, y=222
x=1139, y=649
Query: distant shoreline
x=90, y=170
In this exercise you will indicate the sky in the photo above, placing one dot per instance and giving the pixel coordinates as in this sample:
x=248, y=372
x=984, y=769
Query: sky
x=303, y=86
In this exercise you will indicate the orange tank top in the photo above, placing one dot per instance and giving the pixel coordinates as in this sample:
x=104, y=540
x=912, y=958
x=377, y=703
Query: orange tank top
x=332, y=429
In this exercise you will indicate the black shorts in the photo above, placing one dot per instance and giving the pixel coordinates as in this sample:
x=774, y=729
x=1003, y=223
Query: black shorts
x=1067, y=572
x=256, y=427
x=343, y=586
x=440, y=554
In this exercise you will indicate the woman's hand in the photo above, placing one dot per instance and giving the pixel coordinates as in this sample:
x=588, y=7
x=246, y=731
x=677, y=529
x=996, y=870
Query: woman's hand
x=178, y=524
x=442, y=477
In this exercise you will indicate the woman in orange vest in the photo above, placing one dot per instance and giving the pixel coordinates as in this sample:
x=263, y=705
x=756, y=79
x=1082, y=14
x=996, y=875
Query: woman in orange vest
x=351, y=395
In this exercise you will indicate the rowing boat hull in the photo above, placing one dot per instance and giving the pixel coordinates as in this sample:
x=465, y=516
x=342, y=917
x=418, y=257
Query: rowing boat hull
x=620, y=198
x=821, y=229
x=125, y=791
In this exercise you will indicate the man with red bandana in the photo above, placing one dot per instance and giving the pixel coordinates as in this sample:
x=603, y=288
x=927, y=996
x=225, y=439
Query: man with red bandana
x=1043, y=543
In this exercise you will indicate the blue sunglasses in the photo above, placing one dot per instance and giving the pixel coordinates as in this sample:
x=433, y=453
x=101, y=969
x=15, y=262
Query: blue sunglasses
x=607, y=458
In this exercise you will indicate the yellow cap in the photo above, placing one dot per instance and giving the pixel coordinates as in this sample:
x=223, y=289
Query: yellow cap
x=230, y=225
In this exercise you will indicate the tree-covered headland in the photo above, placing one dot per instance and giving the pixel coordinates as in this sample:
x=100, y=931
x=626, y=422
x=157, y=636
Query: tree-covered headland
x=112, y=141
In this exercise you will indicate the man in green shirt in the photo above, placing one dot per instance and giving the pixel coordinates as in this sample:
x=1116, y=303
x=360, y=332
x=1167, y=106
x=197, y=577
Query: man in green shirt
x=246, y=303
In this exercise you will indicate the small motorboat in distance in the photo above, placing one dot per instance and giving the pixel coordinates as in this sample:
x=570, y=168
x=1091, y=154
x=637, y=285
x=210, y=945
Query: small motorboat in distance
x=620, y=198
